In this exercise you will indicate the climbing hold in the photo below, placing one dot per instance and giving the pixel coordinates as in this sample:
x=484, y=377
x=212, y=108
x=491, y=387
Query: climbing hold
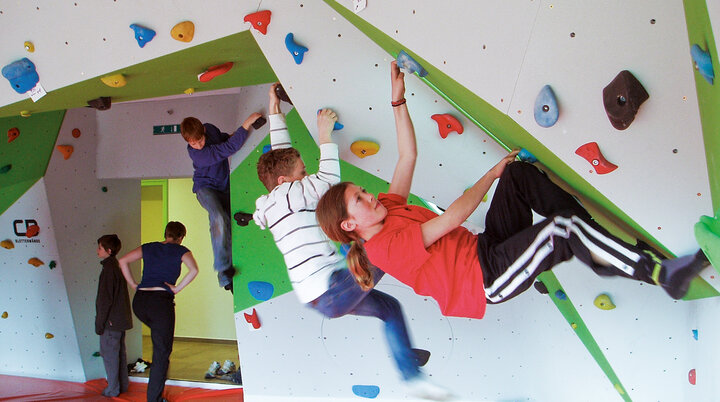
x=540, y=287
x=546, y=107
x=12, y=134
x=242, y=218
x=280, y=92
x=76, y=133
x=261, y=290
x=366, y=391
x=603, y=302
x=65, y=150
x=96, y=354
x=104, y=189
x=142, y=35
x=21, y=74
x=695, y=334
x=405, y=61
x=259, y=122
x=49, y=335
x=622, y=98
x=707, y=235
x=52, y=264
x=619, y=389
x=573, y=325
x=560, y=294
x=5, y=168
x=591, y=153
x=259, y=20
x=421, y=356
x=215, y=71
x=267, y=148
x=703, y=63
x=189, y=91
x=337, y=126
x=446, y=124
x=8, y=244
x=29, y=46
x=359, y=5
x=183, y=31
x=691, y=376
x=25, y=113
x=32, y=231
x=364, y=148
x=253, y=319
x=101, y=103
x=297, y=51
x=525, y=156
x=4, y=314
x=35, y=262
x=115, y=80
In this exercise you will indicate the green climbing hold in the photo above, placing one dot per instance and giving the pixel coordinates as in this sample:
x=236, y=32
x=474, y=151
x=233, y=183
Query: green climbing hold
x=104, y=189
x=52, y=264
x=707, y=234
x=96, y=354
x=5, y=168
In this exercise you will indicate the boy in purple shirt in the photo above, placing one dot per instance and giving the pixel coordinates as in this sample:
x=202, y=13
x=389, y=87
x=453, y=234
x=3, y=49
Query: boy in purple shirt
x=209, y=149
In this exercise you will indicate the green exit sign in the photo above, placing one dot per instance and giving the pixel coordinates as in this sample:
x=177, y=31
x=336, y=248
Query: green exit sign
x=166, y=129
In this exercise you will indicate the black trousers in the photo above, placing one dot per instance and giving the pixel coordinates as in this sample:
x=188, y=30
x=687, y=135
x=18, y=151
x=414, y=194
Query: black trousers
x=156, y=309
x=513, y=252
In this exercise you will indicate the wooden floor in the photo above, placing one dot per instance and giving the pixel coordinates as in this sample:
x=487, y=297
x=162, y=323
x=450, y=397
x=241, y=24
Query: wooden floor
x=190, y=358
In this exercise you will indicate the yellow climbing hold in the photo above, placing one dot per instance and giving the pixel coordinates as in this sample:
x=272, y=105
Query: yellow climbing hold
x=4, y=314
x=189, y=91
x=619, y=389
x=115, y=80
x=25, y=113
x=8, y=244
x=364, y=148
x=183, y=31
x=29, y=46
x=35, y=262
x=573, y=325
x=603, y=302
x=49, y=335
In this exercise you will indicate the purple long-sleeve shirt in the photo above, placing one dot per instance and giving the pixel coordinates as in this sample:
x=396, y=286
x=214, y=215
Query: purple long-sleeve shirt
x=211, y=162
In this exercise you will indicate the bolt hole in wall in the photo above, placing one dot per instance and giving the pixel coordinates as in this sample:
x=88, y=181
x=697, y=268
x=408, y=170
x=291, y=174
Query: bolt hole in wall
x=204, y=331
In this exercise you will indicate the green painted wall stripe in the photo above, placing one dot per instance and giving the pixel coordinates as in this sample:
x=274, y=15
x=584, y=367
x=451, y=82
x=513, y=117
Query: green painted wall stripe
x=29, y=154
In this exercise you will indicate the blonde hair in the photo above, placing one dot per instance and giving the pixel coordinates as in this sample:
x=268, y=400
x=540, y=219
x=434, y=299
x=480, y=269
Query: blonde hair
x=331, y=211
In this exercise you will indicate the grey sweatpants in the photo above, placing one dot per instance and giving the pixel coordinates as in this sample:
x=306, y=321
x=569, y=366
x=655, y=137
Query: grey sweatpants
x=112, y=350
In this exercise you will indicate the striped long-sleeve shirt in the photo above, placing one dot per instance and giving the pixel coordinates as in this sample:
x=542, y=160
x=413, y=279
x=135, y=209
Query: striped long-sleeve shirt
x=289, y=212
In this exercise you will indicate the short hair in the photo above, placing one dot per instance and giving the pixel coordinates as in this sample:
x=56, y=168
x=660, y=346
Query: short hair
x=175, y=230
x=111, y=243
x=192, y=129
x=276, y=163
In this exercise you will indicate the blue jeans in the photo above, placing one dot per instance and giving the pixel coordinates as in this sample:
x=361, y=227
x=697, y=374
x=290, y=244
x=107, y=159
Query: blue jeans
x=345, y=297
x=217, y=204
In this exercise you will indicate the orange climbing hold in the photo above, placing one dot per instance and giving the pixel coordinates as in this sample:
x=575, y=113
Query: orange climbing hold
x=32, y=231
x=76, y=133
x=591, y=153
x=65, y=150
x=4, y=314
x=49, y=335
x=446, y=124
x=12, y=134
x=214, y=71
x=259, y=20
x=364, y=148
x=8, y=244
x=35, y=262
x=183, y=31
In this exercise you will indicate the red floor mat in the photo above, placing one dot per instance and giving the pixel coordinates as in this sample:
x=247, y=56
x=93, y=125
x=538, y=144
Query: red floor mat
x=36, y=389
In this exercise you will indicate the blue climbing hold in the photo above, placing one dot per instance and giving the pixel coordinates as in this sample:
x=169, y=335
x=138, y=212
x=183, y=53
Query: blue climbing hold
x=267, y=148
x=525, y=156
x=546, y=107
x=261, y=290
x=703, y=63
x=21, y=74
x=405, y=61
x=142, y=35
x=560, y=294
x=366, y=391
x=297, y=51
x=695, y=334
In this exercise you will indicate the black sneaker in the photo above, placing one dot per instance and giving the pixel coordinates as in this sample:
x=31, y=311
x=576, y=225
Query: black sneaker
x=676, y=274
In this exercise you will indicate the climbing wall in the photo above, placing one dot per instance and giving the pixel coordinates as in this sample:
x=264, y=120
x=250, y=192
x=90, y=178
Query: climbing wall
x=36, y=329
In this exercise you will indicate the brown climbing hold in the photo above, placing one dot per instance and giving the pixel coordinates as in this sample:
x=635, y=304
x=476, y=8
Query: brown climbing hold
x=8, y=244
x=32, y=231
x=65, y=150
x=49, y=335
x=364, y=148
x=183, y=31
x=76, y=133
x=35, y=262
x=12, y=134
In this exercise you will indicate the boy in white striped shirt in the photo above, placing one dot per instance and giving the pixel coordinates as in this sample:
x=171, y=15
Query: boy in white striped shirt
x=317, y=270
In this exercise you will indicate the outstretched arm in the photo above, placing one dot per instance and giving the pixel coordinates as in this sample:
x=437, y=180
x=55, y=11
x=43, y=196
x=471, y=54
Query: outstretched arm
x=279, y=134
x=407, y=149
x=124, y=262
x=189, y=261
x=462, y=207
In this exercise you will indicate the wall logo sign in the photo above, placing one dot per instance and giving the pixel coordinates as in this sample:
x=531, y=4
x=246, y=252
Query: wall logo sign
x=27, y=230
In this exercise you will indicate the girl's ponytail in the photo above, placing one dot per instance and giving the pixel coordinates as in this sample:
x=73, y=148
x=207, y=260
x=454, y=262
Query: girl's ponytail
x=359, y=265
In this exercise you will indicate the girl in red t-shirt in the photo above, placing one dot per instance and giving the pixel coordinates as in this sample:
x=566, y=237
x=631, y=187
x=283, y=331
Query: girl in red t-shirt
x=437, y=257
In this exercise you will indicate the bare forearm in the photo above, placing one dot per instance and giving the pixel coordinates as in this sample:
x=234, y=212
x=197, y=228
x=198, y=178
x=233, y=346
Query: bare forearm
x=189, y=277
x=466, y=204
x=407, y=147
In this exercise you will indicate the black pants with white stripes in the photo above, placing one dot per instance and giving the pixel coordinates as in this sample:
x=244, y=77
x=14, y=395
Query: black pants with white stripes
x=513, y=252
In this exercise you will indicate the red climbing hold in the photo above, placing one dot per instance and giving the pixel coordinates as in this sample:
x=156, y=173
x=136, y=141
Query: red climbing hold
x=259, y=20
x=76, y=133
x=253, y=319
x=591, y=153
x=32, y=230
x=447, y=123
x=12, y=134
x=214, y=71
x=65, y=150
x=691, y=376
